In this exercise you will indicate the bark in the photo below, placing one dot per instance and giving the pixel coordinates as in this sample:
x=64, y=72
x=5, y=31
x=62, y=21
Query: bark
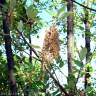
x=30, y=42
x=70, y=42
x=87, y=45
x=70, y=36
x=30, y=57
x=9, y=55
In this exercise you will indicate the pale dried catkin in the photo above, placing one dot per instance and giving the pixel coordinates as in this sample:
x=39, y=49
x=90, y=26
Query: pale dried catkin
x=50, y=49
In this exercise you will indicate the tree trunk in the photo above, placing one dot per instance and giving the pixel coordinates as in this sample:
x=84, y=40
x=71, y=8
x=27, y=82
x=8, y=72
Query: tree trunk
x=70, y=43
x=70, y=36
x=87, y=45
x=9, y=55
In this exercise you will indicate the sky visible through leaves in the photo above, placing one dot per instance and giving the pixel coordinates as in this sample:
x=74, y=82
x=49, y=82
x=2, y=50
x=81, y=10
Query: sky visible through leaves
x=39, y=41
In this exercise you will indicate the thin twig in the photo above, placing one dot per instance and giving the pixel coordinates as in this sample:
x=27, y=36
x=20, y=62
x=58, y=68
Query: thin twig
x=78, y=77
x=27, y=42
x=82, y=68
x=84, y=6
x=61, y=71
x=57, y=83
x=56, y=75
x=54, y=72
x=37, y=58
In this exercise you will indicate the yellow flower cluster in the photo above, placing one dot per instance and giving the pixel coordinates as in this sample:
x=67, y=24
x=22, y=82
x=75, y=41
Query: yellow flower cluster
x=50, y=49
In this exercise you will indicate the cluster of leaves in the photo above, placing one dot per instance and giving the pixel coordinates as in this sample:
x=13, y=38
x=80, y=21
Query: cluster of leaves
x=28, y=74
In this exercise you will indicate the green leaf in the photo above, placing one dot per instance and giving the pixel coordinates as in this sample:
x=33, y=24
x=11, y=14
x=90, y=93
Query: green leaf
x=12, y=4
x=89, y=66
x=81, y=28
x=52, y=13
x=78, y=63
x=59, y=94
x=63, y=14
x=32, y=12
x=35, y=46
x=37, y=1
x=20, y=26
x=71, y=80
x=61, y=10
x=55, y=92
x=82, y=53
x=17, y=68
x=61, y=64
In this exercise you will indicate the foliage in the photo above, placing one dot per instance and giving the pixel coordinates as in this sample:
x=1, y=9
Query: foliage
x=29, y=75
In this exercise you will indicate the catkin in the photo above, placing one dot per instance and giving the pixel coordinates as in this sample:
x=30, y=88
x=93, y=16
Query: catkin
x=50, y=49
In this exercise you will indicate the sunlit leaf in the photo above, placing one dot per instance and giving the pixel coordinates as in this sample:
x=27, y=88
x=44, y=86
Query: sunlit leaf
x=35, y=46
x=31, y=12
x=82, y=53
x=89, y=66
x=52, y=13
x=61, y=10
x=20, y=26
x=63, y=15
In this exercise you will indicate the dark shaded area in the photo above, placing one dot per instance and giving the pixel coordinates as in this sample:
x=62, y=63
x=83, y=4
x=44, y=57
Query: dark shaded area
x=9, y=55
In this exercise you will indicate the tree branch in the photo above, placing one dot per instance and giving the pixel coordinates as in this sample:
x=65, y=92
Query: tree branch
x=78, y=76
x=84, y=6
x=27, y=43
x=57, y=83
